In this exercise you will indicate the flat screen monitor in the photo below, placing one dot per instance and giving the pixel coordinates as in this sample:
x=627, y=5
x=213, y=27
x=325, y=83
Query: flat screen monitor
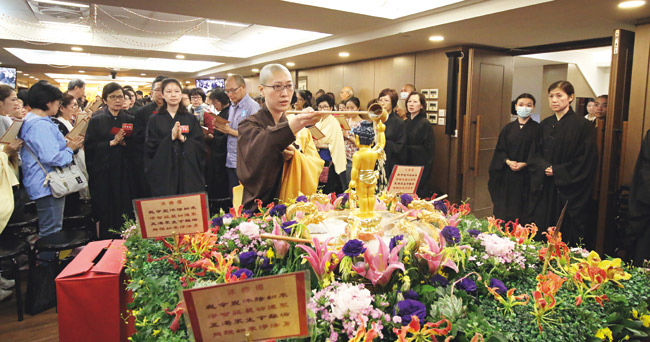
x=211, y=84
x=8, y=76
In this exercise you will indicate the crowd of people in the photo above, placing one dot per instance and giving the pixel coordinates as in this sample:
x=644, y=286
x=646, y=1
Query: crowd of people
x=186, y=141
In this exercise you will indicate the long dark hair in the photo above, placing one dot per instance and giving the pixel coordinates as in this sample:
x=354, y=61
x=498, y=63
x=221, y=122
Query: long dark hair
x=181, y=109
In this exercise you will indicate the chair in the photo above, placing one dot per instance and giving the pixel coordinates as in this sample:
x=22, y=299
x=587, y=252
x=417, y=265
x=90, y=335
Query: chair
x=9, y=250
x=60, y=241
x=23, y=229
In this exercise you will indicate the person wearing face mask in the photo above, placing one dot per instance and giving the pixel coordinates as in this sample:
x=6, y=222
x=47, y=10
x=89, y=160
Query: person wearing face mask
x=405, y=92
x=509, y=182
x=563, y=167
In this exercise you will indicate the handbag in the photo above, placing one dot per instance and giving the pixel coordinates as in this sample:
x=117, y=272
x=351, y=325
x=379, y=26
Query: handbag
x=63, y=180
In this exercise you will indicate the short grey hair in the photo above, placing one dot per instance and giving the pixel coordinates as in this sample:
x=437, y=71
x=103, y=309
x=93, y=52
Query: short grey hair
x=238, y=79
x=76, y=83
x=266, y=74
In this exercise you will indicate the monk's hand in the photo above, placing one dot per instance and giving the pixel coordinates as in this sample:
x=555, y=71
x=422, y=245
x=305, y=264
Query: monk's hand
x=306, y=118
x=288, y=152
x=549, y=171
x=176, y=131
x=521, y=166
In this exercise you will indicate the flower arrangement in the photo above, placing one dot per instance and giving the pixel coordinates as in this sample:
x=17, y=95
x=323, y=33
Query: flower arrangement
x=477, y=280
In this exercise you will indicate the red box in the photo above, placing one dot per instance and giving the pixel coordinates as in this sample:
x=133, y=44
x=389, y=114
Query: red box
x=92, y=297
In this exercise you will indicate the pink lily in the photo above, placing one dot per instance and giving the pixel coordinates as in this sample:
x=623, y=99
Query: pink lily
x=436, y=256
x=281, y=247
x=380, y=267
x=319, y=257
x=454, y=220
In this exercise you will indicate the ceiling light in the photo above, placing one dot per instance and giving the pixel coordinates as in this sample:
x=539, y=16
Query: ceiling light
x=344, y=54
x=631, y=4
x=81, y=71
x=20, y=72
x=26, y=75
x=187, y=82
x=143, y=74
x=76, y=48
x=212, y=77
x=180, y=56
x=92, y=60
x=290, y=64
x=436, y=38
x=31, y=76
x=62, y=3
x=255, y=70
x=226, y=23
x=230, y=74
x=389, y=9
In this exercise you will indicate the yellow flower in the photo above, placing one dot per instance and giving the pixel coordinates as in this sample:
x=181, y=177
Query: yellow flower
x=140, y=282
x=646, y=320
x=635, y=313
x=269, y=254
x=406, y=259
x=156, y=320
x=156, y=332
x=604, y=334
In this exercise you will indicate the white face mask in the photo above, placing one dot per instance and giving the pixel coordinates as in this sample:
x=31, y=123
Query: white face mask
x=524, y=112
x=403, y=95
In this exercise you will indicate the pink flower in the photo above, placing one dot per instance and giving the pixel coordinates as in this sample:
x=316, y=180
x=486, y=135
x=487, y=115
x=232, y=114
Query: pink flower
x=380, y=206
x=281, y=247
x=437, y=256
x=318, y=257
x=379, y=267
x=249, y=229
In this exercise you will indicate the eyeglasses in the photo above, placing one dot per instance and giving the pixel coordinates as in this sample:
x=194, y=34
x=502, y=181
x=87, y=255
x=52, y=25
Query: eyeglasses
x=325, y=107
x=280, y=87
x=196, y=97
x=232, y=91
x=116, y=97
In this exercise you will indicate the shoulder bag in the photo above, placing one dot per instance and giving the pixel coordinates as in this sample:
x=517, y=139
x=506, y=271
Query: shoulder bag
x=63, y=180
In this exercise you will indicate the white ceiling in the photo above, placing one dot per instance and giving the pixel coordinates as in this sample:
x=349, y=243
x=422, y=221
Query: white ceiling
x=250, y=33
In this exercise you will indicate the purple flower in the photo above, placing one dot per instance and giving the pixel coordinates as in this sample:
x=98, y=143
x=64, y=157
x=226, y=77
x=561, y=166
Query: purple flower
x=278, y=210
x=467, y=284
x=353, y=248
x=265, y=264
x=345, y=198
x=248, y=213
x=217, y=221
x=287, y=226
x=410, y=294
x=473, y=232
x=246, y=271
x=406, y=199
x=409, y=307
x=440, y=280
x=301, y=198
x=247, y=258
x=440, y=205
x=500, y=287
x=451, y=235
x=394, y=241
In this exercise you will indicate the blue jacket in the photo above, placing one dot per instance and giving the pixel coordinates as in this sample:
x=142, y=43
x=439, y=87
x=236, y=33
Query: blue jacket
x=48, y=144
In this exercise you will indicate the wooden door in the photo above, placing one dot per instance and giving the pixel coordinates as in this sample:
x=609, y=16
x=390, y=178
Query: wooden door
x=612, y=147
x=489, y=92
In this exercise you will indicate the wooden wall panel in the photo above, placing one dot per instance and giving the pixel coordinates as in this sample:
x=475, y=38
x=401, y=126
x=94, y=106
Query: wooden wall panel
x=361, y=77
x=394, y=72
x=552, y=73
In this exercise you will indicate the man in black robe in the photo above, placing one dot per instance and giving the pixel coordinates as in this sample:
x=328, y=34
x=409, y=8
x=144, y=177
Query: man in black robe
x=510, y=190
x=569, y=147
x=142, y=116
x=174, y=166
x=266, y=137
x=639, y=204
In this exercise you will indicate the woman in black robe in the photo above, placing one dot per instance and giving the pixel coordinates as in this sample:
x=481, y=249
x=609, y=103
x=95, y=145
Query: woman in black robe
x=395, y=134
x=215, y=168
x=107, y=162
x=174, y=156
x=639, y=204
x=563, y=168
x=420, y=146
x=509, y=183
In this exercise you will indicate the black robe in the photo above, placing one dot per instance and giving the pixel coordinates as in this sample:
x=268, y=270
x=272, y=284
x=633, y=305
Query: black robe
x=639, y=204
x=173, y=167
x=420, y=148
x=136, y=149
x=259, y=156
x=569, y=145
x=511, y=191
x=109, y=172
x=215, y=168
x=395, y=143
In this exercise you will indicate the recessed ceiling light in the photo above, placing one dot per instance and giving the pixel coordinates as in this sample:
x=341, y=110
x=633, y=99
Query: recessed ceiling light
x=143, y=74
x=290, y=64
x=31, y=76
x=180, y=56
x=187, y=82
x=212, y=77
x=20, y=72
x=63, y=3
x=81, y=71
x=26, y=75
x=631, y=4
x=436, y=38
x=344, y=54
x=76, y=48
x=255, y=70
x=230, y=74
